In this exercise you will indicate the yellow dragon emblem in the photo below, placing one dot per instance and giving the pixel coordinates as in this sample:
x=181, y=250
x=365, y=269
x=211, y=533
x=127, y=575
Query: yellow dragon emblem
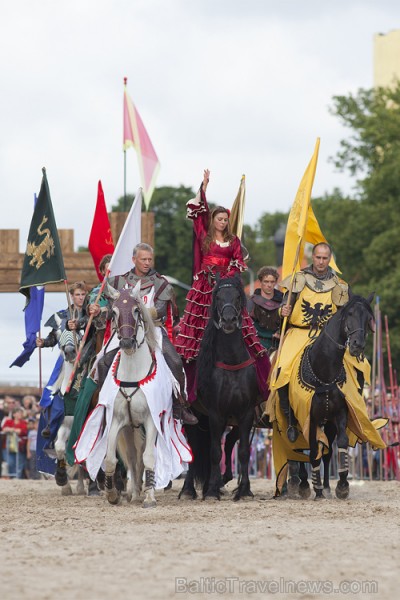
x=46, y=246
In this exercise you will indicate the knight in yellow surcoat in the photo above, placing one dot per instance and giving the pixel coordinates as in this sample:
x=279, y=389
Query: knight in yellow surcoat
x=317, y=293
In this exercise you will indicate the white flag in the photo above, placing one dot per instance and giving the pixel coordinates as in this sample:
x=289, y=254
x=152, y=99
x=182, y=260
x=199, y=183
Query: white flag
x=121, y=261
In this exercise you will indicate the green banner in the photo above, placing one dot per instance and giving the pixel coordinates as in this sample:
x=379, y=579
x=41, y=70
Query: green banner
x=43, y=262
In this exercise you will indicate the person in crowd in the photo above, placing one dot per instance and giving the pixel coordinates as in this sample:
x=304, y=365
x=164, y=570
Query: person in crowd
x=32, y=472
x=16, y=432
x=2, y=415
x=217, y=252
x=263, y=307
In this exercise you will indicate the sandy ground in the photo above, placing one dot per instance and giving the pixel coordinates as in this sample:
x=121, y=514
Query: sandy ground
x=54, y=547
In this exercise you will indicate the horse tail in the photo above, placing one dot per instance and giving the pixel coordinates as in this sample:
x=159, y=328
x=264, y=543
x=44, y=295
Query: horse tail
x=199, y=440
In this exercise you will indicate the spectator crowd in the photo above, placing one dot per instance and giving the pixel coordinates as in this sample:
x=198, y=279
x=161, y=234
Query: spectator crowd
x=19, y=421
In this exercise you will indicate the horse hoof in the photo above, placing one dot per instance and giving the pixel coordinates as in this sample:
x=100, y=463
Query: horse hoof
x=188, y=494
x=66, y=490
x=280, y=496
x=304, y=491
x=212, y=496
x=327, y=493
x=293, y=487
x=61, y=477
x=93, y=489
x=242, y=496
x=113, y=497
x=319, y=498
x=342, y=492
x=168, y=487
x=149, y=504
x=226, y=478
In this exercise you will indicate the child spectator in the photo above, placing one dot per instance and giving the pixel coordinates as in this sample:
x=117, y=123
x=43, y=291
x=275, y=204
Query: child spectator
x=32, y=472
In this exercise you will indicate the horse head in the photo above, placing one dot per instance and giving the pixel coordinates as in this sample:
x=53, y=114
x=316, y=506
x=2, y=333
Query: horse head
x=357, y=318
x=67, y=343
x=127, y=317
x=228, y=302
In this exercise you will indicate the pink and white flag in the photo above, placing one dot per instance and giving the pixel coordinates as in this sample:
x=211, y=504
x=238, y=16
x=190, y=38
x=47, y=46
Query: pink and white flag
x=135, y=135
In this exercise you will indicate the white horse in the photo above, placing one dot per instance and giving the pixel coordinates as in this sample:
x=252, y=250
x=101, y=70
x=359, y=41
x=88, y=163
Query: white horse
x=67, y=344
x=135, y=363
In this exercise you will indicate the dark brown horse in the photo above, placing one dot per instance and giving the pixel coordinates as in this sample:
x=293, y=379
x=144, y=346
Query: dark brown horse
x=227, y=393
x=322, y=370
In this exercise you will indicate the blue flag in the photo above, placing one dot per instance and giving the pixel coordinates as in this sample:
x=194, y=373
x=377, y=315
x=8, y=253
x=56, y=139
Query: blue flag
x=52, y=416
x=47, y=394
x=33, y=316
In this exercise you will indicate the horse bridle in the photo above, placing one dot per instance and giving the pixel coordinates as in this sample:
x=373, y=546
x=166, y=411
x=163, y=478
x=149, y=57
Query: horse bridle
x=137, y=321
x=220, y=313
x=348, y=334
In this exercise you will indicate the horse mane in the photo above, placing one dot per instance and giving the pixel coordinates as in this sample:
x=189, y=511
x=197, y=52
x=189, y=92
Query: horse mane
x=341, y=313
x=206, y=358
x=354, y=299
x=150, y=330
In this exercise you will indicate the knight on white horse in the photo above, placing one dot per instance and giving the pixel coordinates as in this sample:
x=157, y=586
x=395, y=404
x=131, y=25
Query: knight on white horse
x=137, y=394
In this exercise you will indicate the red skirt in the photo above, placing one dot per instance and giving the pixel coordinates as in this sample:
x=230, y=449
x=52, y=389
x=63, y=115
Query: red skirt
x=196, y=317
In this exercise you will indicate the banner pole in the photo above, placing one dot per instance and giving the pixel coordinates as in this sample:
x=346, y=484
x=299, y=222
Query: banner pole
x=83, y=340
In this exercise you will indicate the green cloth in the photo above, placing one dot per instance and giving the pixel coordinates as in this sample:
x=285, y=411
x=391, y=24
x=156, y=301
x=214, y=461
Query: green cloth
x=264, y=335
x=43, y=261
x=81, y=411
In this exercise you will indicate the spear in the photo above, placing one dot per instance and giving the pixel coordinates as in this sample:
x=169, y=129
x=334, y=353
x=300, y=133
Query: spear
x=83, y=340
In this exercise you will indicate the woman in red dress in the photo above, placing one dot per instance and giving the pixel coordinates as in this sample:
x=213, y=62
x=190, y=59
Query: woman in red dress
x=216, y=250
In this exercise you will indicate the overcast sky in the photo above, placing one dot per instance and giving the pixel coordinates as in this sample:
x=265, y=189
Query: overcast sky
x=234, y=86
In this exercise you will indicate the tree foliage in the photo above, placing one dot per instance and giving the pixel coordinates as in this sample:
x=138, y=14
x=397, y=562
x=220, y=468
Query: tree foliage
x=364, y=231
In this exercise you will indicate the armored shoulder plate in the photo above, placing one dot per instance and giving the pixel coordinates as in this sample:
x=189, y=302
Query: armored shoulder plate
x=340, y=293
x=163, y=289
x=299, y=281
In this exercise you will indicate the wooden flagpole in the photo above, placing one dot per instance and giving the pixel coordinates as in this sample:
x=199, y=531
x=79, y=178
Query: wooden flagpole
x=274, y=375
x=125, y=83
x=70, y=313
x=83, y=340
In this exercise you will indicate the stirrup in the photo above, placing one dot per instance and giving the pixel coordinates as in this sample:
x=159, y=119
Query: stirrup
x=185, y=415
x=292, y=433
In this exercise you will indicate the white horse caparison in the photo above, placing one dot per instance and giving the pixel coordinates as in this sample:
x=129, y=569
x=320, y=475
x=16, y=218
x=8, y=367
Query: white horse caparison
x=131, y=414
x=67, y=347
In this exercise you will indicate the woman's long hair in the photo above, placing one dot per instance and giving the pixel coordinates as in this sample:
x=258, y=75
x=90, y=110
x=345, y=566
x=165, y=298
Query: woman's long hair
x=210, y=237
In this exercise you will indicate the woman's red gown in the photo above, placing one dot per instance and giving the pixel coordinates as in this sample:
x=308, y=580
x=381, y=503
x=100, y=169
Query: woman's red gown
x=226, y=259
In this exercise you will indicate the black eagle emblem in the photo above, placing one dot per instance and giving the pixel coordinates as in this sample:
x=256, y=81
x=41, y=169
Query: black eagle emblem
x=315, y=316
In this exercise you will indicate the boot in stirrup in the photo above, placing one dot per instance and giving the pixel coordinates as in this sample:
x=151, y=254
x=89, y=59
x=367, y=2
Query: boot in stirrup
x=183, y=414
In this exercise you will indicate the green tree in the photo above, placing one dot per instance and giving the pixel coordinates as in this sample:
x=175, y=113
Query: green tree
x=372, y=154
x=260, y=243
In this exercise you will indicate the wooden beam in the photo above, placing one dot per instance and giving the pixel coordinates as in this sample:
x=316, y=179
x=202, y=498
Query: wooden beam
x=78, y=265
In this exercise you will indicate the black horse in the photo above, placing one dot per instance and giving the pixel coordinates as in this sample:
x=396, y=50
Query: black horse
x=322, y=370
x=227, y=393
